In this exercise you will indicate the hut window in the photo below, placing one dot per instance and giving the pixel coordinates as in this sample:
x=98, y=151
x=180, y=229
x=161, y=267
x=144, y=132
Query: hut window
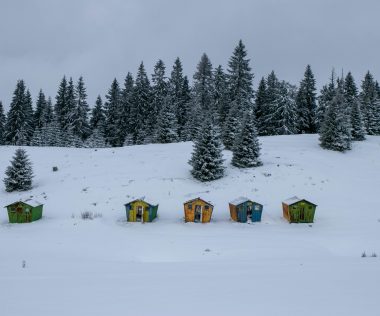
x=27, y=210
x=206, y=207
x=189, y=206
x=257, y=207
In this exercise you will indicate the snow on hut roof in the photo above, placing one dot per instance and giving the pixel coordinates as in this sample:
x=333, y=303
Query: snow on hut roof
x=198, y=198
x=30, y=201
x=292, y=200
x=295, y=199
x=240, y=200
x=143, y=200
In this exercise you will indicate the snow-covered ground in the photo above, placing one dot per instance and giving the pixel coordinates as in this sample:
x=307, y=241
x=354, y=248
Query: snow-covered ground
x=107, y=266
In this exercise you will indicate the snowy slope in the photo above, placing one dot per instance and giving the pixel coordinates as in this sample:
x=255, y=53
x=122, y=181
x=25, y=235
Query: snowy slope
x=109, y=266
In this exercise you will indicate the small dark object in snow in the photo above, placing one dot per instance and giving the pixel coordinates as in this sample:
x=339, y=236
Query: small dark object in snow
x=278, y=165
x=55, y=169
x=23, y=264
x=267, y=174
x=310, y=225
x=364, y=255
x=207, y=250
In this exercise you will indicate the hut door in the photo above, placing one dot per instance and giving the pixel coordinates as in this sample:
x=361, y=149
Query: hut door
x=302, y=213
x=198, y=213
x=139, y=213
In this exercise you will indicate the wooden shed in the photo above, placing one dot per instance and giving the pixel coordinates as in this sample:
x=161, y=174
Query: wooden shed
x=298, y=210
x=242, y=209
x=24, y=211
x=198, y=211
x=140, y=211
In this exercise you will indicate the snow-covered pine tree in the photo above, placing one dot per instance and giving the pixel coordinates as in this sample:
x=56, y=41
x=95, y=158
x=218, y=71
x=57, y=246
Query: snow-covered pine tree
x=2, y=124
x=159, y=93
x=49, y=111
x=176, y=90
x=126, y=104
x=112, y=115
x=261, y=107
x=350, y=89
x=141, y=108
x=97, y=114
x=16, y=127
x=166, y=131
x=220, y=98
x=19, y=174
x=240, y=78
x=269, y=119
x=358, y=129
x=368, y=99
x=61, y=102
x=246, y=151
x=327, y=93
x=285, y=115
x=203, y=86
x=336, y=129
x=69, y=110
x=39, y=114
x=240, y=93
x=29, y=116
x=306, y=103
x=81, y=127
x=207, y=157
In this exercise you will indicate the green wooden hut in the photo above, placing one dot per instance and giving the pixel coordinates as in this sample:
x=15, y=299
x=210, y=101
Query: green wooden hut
x=24, y=211
x=140, y=211
x=242, y=209
x=297, y=210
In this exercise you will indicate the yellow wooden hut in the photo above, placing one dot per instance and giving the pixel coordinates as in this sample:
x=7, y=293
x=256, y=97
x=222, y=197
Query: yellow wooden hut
x=198, y=211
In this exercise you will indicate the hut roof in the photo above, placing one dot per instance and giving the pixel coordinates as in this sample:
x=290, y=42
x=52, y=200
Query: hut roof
x=240, y=200
x=141, y=200
x=31, y=202
x=198, y=198
x=296, y=199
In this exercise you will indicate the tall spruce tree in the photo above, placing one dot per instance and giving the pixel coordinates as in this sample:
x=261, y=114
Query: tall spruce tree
x=141, y=108
x=203, y=86
x=240, y=78
x=159, y=90
x=269, y=119
x=97, y=114
x=61, y=102
x=261, y=104
x=176, y=90
x=81, y=127
x=16, y=127
x=2, y=124
x=29, y=116
x=358, y=129
x=370, y=105
x=240, y=89
x=207, y=157
x=336, y=129
x=306, y=103
x=167, y=123
x=285, y=113
x=112, y=114
x=127, y=95
x=246, y=151
x=39, y=114
x=19, y=174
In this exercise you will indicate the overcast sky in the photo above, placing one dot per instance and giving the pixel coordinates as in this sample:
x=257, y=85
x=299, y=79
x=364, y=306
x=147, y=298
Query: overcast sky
x=41, y=40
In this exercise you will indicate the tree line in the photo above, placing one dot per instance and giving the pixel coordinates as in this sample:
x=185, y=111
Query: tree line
x=166, y=109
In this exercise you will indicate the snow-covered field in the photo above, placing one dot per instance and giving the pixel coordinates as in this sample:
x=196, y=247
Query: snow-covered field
x=107, y=266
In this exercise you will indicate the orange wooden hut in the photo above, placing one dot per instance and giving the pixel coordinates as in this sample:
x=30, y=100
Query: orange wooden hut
x=198, y=211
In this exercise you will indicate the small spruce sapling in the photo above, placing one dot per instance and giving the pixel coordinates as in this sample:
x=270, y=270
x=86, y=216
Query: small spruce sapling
x=19, y=174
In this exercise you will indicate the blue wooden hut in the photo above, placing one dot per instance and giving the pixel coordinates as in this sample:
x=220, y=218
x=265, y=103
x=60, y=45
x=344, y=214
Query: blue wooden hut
x=242, y=209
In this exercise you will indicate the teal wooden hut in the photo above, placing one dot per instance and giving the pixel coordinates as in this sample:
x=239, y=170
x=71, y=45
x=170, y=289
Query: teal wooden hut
x=243, y=209
x=297, y=210
x=24, y=211
x=140, y=211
